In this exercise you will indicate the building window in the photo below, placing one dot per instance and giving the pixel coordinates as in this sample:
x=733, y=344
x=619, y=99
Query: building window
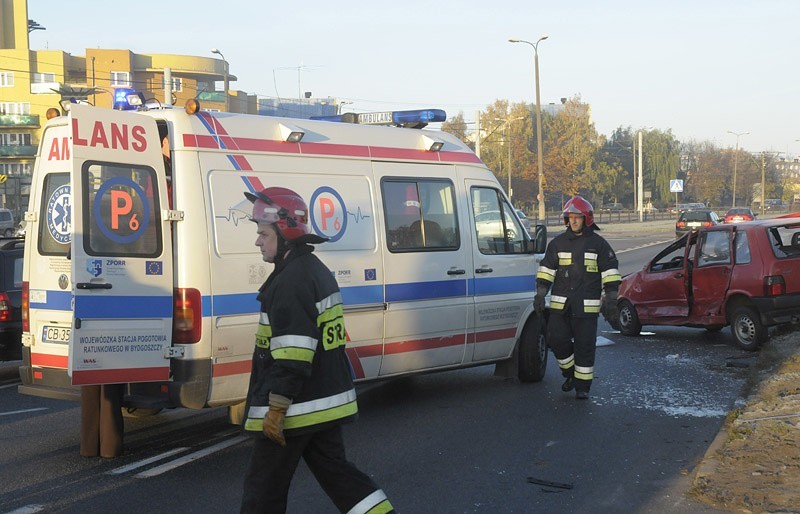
x=15, y=108
x=6, y=79
x=15, y=138
x=44, y=78
x=177, y=84
x=16, y=169
x=120, y=79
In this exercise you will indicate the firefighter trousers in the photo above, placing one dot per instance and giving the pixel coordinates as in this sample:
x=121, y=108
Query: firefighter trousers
x=271, y=468
x=573, y=340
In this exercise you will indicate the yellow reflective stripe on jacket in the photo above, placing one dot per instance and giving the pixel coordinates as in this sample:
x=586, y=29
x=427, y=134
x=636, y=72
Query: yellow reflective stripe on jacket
x=375, y=503
x=263, y=333
x=546, y=274
x=590, y=262
x=557, y=302
x=584, y=373
x=321, y=410
x=564, y=258
x=610, y=275
x=293, y=347
x=591, y=305
x=330, y=314
x=331, y=301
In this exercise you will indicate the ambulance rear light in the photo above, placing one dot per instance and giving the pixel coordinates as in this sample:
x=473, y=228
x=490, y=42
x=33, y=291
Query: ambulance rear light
x=410, y=119
x=290, y=133
x=187, y=316
x=192, y=106
x=26, y=304
x=52, y=112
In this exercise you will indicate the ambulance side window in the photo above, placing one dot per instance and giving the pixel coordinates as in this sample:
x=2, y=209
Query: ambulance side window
x=496, y=226
x=121, y=211
x=420, y=215
x=56, y=227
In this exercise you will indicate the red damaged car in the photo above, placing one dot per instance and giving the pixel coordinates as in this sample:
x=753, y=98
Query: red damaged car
x=744, y=275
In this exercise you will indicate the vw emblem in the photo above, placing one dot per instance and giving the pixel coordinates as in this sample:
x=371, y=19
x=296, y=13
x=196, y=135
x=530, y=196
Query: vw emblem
x=63, y=281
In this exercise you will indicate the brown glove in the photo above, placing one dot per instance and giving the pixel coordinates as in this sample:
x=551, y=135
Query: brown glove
x=273, y=421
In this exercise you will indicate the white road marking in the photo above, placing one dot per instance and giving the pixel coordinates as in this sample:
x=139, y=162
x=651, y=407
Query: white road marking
x=145, y=462
x=191, y=457
x=22, y=411
x=28, y=509
x=8, y=386
x=644, y=246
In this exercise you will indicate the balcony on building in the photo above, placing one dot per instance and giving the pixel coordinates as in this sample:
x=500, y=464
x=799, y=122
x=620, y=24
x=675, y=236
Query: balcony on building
x=45, y=88
x=19, y=120
x=16, y=151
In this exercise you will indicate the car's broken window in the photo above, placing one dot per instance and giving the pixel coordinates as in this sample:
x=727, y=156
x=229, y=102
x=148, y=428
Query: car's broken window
x=671, y=258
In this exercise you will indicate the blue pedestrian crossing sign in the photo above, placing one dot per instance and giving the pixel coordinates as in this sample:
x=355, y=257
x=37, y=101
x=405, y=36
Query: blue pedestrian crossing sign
x=676, y=185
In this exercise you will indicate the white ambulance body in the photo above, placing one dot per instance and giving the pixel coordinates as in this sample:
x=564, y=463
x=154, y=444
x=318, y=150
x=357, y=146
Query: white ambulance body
x=127, y=280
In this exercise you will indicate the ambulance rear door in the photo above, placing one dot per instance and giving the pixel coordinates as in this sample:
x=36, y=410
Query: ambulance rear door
x=425, y=268
x=121, y=251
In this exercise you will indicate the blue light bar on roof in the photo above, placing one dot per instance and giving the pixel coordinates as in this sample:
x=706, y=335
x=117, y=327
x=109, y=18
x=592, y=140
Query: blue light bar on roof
x=411, y=119
x=126, y=99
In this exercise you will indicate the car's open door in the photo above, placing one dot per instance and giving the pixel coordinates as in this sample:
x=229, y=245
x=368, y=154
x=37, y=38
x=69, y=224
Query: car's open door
x=121, y=252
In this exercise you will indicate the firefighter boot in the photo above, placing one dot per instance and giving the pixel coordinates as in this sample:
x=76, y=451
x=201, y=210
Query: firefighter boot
x=568, y=385
x=581, y=395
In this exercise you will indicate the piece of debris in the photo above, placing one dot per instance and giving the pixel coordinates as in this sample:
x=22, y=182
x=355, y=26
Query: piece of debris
x=548, y=483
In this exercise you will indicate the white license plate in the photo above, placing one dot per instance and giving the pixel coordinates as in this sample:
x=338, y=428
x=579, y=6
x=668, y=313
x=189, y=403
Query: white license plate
x=54, y=334
x=694, y=224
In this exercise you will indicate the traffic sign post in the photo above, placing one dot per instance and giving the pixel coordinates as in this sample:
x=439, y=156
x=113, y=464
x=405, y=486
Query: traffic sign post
x=676, y=186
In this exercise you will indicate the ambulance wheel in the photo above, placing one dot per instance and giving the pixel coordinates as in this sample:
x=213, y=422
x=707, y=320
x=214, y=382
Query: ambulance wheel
x=532, y=352
x=134, y=412
x=236, y=413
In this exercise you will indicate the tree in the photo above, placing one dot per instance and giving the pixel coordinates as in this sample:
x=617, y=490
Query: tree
x=458, y=127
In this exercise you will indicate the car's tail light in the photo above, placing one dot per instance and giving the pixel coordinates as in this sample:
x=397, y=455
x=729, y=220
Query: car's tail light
x=681, y=224
x=774, y=285
x=26, y=304
x=187, y=316
x=5, y=308
x=707, y=223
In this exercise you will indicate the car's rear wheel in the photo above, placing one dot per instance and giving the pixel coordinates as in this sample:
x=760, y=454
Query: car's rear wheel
x=629, y=323
x=747, y=329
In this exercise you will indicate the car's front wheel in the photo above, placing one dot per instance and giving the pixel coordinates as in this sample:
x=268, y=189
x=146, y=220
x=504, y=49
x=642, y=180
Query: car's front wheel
x=629, y=323
x=533, y=351
x=747, y=329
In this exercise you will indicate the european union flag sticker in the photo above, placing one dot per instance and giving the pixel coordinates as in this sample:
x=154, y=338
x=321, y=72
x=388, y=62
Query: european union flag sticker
x=154, y=268
x=370, y=274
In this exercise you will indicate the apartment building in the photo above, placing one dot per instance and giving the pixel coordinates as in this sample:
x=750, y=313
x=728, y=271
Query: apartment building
x=32, y=81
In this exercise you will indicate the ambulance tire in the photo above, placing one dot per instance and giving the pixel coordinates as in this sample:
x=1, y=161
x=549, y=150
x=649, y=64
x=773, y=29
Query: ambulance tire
x=133, y=412
x=532, y=352
x=236, y=413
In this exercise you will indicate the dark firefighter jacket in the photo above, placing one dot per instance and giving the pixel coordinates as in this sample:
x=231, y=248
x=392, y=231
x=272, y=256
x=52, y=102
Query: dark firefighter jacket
x=299, y=351
x=578, y=267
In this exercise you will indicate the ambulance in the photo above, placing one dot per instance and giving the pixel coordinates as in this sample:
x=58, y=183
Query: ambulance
x=141, y=268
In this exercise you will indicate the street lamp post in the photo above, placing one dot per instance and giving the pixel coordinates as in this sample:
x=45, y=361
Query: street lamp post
x=735, y=163
x=508, y=142
x=535, y=46
x=225, y=79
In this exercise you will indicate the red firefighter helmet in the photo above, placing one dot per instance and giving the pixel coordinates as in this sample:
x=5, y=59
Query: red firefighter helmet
x=286, y=210
x=578, y=205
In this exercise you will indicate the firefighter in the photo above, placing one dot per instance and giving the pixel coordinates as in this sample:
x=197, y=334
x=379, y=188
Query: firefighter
x=301, y=390
x=577, y=264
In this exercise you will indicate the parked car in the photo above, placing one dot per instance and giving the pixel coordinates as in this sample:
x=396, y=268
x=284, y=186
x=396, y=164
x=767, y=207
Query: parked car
x=523, y=218
x=692, y=220
x=490, y=224
x=613, y=207
x=742, y=275
x=738, y=215
x=7, y=225
x=11, y=299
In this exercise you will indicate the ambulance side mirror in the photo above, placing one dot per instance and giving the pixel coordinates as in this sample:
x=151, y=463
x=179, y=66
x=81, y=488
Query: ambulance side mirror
x=539, y=242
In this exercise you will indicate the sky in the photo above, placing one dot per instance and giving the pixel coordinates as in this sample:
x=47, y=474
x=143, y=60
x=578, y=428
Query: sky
x=701, y=68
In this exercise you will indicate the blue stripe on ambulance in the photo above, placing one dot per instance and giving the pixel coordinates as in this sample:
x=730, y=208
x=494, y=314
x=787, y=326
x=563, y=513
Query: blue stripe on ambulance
x=499, y=285
x=124, y=306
